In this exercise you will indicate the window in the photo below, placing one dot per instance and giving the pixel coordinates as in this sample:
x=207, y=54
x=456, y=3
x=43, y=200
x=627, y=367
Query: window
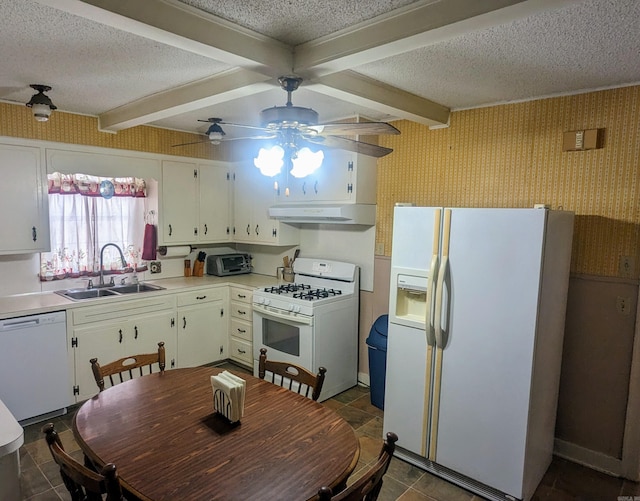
x=82, y=221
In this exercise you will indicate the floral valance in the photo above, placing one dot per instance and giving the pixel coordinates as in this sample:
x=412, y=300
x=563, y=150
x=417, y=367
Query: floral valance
x=83, y=184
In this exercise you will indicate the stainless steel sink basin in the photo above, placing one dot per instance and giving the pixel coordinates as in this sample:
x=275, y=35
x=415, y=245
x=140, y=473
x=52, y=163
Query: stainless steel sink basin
x=85, y=293
x=134, y=288
x=116, y=290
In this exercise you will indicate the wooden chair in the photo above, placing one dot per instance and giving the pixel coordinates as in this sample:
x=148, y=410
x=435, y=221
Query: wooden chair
x=82, y=483
x=367, y=487
x=290, y=373
x=115, y=370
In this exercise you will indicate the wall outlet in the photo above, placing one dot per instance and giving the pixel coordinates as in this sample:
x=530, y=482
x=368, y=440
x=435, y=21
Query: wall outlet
x=623, y=305
x=380, y=248
x=626, y=267
x=155, y=267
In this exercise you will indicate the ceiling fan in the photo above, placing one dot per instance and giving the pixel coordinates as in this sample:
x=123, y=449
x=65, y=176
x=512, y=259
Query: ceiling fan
x=294, y=127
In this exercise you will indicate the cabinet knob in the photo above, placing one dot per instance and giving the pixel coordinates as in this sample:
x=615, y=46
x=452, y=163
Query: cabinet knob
x=34, y=233
x=170, y=230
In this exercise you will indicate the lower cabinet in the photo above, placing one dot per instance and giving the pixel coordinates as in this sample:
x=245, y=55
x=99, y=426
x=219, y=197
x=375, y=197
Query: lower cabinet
x=241, y=326
x=202, y=326
x=109, y=333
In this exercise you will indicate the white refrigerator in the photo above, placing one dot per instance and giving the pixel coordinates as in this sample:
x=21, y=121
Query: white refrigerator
x=476, y=324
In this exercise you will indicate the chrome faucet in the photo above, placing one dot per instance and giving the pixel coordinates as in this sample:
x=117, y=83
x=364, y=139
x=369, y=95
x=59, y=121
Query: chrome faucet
x=124, y=261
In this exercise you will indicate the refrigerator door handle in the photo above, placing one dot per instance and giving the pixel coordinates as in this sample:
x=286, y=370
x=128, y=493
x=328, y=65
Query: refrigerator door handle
x=429, y=321
x=442, y=273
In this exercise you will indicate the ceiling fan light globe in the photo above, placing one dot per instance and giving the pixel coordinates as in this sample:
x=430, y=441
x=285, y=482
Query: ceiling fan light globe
x=269, y=161
x=306, y=162
x=215, y=137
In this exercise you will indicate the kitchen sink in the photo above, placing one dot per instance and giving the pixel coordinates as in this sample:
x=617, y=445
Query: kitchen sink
x=134, y=288
x=116, y=290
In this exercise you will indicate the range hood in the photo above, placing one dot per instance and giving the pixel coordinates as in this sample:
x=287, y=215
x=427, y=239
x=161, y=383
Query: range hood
x=364, y=214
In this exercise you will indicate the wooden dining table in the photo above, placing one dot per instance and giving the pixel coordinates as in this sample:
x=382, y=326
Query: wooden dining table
x=161, y=432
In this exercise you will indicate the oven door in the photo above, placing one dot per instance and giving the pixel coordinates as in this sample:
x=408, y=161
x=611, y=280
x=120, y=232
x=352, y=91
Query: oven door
x=288, y=337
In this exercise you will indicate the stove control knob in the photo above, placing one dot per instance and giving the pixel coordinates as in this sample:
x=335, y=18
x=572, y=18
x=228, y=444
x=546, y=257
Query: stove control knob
x=291, y=307
x=259, y=300
x=296, y=309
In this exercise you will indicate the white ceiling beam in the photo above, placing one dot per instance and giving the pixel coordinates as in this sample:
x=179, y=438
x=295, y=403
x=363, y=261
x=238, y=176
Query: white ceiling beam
x=232, y=84
x=364, y=91
x=410, y=28
x=187, y=28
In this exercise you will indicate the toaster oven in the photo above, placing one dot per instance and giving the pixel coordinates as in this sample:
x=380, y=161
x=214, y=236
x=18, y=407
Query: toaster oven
x=228, y=264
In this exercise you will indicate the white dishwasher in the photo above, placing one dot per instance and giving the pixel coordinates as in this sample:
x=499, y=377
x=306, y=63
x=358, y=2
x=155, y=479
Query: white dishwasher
x=34, y=379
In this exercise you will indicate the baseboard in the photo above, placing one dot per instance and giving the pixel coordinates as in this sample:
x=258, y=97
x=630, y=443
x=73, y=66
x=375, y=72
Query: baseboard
x=363, y=378
x=587, y=457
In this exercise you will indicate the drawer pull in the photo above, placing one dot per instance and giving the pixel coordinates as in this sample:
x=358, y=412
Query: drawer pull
x=242, y=331
x=241, y=351
x=242, y=296
x=242, y=312
x=200, y=298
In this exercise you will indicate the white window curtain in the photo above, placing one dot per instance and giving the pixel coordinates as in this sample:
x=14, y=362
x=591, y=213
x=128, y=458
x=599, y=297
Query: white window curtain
x=81, y=223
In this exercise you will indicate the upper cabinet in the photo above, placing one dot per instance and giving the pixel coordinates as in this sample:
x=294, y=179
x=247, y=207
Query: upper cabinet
x=25, y=224
x=253, y=195
x=195, y=203
x=344, y=177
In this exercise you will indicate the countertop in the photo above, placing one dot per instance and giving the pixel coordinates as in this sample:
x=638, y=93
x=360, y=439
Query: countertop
x=21, y=305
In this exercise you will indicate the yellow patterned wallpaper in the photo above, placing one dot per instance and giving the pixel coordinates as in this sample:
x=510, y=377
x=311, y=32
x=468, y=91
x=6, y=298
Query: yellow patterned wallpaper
x=501, y=156
x=511, y=156
x=17, y=121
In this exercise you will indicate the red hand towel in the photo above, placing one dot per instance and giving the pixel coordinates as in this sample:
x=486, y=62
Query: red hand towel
x=150, y=243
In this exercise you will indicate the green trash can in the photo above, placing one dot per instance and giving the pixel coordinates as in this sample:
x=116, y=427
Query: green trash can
x=377, y=343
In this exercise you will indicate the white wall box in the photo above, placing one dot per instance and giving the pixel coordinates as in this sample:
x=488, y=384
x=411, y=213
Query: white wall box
x=202, y=326
x=24, y=198
x=109, y=332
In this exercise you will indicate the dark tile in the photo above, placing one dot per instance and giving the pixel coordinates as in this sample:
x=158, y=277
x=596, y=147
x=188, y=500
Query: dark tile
x=32, y=480
x=355, y=417
x=585, y=483
x=351, y=394
x=391, y=489
x=440, y=489
x=369, y=448
x=404, y=472
x=332, y=404
x=630, y=488
x=364, y=404
x=52, y=472
x=373, y=428
x=49, y=495
x=414, y=495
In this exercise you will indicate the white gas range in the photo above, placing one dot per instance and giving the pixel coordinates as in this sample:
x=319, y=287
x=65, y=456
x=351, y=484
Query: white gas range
x=312, y=322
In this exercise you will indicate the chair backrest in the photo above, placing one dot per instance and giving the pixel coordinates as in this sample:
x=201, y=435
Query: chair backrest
x=131, y=366
x=285, y=375
x=368, y=486
x=82, y=483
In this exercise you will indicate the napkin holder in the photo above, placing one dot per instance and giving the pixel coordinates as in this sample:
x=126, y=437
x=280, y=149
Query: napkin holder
x=228, y=395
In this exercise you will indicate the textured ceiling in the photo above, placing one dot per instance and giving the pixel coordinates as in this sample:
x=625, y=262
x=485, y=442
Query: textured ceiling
x=169, y=63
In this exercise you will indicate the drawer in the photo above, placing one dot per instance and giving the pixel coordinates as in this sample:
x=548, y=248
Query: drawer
x=242, y=295
x=243, y=311
x=241, y=350
x=200, y=296
x=241, y=329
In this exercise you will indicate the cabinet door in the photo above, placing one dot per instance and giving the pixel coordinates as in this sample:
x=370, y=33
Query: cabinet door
x=202, y=334
x=146, y=331
x=179, y=202
x=24, y=197
x=106, y=343
x=264, y=228
x=215, y=213
x=242, y=204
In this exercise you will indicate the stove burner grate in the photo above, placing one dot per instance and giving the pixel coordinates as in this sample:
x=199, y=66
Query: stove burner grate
x=311, y=295
x=288, y=288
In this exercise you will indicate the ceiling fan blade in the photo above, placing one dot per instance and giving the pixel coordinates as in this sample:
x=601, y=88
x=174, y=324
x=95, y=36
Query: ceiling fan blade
x=243, y=126
x=194, y=142
x=346, y=129
x=371, y=150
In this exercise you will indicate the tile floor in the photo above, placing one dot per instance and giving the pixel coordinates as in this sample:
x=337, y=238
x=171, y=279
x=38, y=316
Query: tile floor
x=564, y=480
